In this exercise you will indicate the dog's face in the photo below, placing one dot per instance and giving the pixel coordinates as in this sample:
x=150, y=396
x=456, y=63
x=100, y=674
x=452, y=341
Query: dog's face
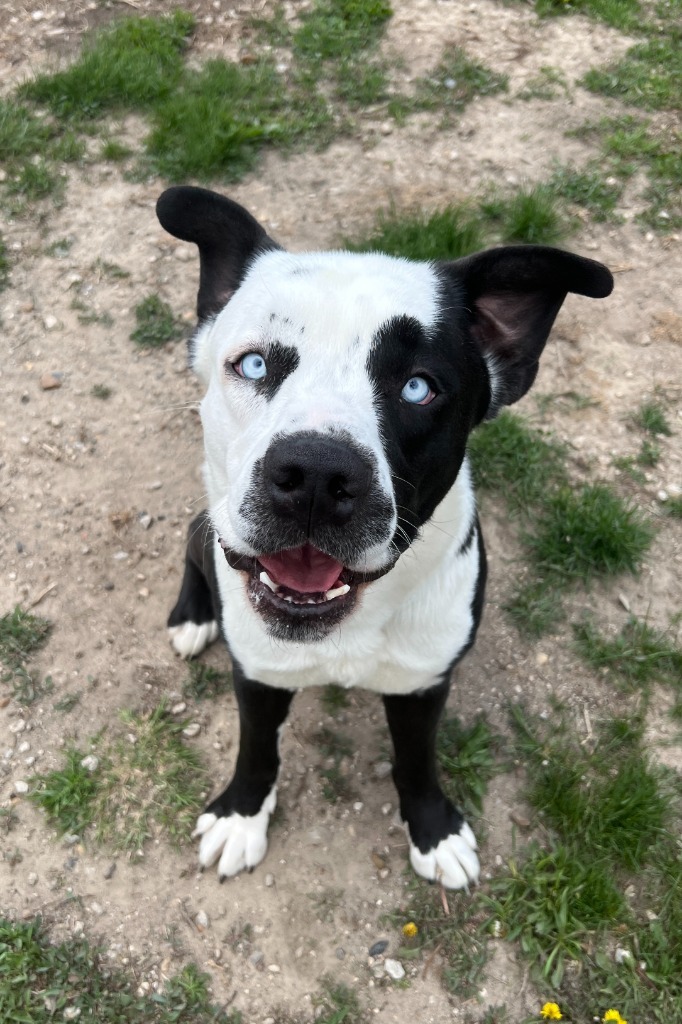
x=341, y=390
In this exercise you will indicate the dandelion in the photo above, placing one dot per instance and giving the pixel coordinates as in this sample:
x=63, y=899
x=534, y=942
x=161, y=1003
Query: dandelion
x=614, y=1017
x=410, y=930
x=551, y=1011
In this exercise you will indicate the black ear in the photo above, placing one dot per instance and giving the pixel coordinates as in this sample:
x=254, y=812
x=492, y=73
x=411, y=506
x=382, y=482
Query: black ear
x=227, y=235
x=514, y=294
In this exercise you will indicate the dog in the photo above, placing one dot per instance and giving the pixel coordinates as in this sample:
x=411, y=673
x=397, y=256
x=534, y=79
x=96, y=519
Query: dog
x=341, y=542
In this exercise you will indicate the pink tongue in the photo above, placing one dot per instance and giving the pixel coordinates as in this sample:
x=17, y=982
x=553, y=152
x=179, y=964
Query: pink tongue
x=304, y=569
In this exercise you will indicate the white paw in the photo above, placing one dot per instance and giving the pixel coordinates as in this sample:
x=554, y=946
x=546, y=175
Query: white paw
x=190, y=638
x=239, y=841
x=453, y=862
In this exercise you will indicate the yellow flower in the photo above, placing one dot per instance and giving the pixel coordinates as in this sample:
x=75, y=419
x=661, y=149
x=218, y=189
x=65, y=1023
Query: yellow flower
x=550, y=1011
x=410, y=930
x=614, y=1016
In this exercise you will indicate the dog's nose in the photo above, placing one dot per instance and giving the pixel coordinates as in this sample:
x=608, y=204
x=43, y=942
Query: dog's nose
x=316, y=480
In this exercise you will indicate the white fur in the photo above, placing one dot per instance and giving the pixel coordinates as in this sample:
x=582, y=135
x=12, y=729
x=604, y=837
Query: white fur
x=240, y=841
x=453, y=862
x=190, y=638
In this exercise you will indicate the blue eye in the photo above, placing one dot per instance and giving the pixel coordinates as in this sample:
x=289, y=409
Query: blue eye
x=417, y=391
x=251, y=366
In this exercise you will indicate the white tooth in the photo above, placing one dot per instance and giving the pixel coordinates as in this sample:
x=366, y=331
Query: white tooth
x=264, y=578
x=339, y=592
x=287, y=597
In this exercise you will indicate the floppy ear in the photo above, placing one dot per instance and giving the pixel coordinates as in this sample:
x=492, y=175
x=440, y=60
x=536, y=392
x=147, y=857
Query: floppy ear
x=227, y=235
x=514, y=294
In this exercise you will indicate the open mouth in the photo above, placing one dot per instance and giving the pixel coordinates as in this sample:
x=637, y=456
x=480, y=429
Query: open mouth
x=301, y=583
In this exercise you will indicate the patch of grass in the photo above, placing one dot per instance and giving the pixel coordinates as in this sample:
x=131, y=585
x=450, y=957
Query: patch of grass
x=509, y=456
x=637, y=656
x=456, y=935
x=445, y=234
x=68, y=795
x=101, y=391
x=219, y=119
x=21, y=635
x=4, y=265
x=546, y=85
x=334, y=746
x=536, y=607
x=114, y=151
x=649, y=75
x=334, y=698
x=156, y=324
x=337, y=1004
x=450, y=86
x=41, y=980
x=587, y=189
x=206, y=683
x=146, y=782
x=623, y=14
x=59, y=248
x=22, y=133
x=673, y=507
x=468, y=759
x=36, y=181
x=552, y=903
x=68, y=702
x=130, y=65
x=587, y=532
x=528, y=216
x=651, y=417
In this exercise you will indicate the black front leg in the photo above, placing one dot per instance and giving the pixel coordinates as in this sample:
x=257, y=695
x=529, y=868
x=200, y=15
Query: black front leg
x=441, y=843
x=193, y=623
x=234, y=825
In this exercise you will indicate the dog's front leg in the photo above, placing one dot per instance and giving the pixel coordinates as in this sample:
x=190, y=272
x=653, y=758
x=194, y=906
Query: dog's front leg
x=442, y=846
x=234, y=826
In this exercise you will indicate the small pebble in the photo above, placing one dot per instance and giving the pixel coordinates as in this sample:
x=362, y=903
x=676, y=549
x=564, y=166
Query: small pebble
x=340, y=953
x=541, y=658
x=90, y=762
x=274, y=968
x=145, y=520
x=50, y=322
x=179, y=709
x=269, y=880
x=379, y=947
x=257, y=959
x=17, y=726
x=382, y=769
x=32, y=878
x=623, y=601
x=72, y=1012
x=394, y=969
x=201, y=920
x=110, y=871
x=21, y=787
x=192, y=730
x=70, y=839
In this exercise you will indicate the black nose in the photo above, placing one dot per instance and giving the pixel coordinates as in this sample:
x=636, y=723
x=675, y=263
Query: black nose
x=316, y=480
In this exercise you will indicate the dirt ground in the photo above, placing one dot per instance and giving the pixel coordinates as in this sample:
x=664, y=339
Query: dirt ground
x=77, y=473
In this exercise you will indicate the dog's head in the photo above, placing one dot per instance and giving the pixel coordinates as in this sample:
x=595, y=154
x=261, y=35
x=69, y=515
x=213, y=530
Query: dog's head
x=341, y=389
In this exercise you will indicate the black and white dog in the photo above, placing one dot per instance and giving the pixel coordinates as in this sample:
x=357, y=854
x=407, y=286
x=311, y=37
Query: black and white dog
x=341, y=543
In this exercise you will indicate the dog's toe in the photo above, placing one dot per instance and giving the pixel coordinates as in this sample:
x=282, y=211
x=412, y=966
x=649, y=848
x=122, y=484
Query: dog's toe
x=237, y=841
x=453, y=862
x=190, y=638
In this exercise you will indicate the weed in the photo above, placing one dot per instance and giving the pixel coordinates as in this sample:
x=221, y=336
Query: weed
x=334, y=699
x=326, y=903
x=41, y=979
x=102, y=391
x=673, y=506
x=21, y=133
x=536, y=607
x=445, y=234
x=111, y=271
x=588, y=532
x=59, y=248
x=131, y=65
x=509, y=456
x=156, y=324
x=651, y=417
x=467, y=757
x=36, y=181
x=206, y=683
x=337, y=1004
x=649, y=75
